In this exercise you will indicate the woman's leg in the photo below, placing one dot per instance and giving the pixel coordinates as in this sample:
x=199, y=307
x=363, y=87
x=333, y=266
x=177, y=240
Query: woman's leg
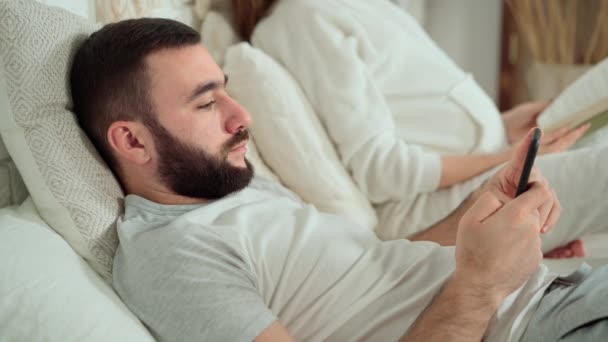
x=580, y=178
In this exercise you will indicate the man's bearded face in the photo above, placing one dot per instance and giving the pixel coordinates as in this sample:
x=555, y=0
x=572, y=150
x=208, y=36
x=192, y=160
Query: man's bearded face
x=190, y=171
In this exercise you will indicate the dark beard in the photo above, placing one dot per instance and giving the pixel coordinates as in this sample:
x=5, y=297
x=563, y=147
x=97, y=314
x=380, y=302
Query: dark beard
x=189, y=171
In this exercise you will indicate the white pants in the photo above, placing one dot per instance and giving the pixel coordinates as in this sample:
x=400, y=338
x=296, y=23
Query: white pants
x=579, y=176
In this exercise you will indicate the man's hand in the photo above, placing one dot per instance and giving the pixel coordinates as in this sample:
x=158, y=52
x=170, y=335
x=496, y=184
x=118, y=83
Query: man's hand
x=522, y=118
x=498, y=245
x=498, y=241
x=503, y=184
x=497, y=249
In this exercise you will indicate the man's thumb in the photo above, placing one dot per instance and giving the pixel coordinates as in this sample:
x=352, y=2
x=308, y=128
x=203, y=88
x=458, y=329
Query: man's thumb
x=521, y=151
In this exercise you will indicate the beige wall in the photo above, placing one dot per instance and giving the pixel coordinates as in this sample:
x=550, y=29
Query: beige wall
x=469, y=31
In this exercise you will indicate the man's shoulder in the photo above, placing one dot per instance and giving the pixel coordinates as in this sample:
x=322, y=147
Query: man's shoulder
x=274, y=188
x=152, y=245
x=217, y=227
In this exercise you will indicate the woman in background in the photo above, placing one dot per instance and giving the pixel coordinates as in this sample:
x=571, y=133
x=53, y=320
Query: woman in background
x=416, y=133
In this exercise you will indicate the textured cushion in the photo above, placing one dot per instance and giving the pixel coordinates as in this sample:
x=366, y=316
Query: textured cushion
x=12, y=189
x=49, y=293
x=290, y=137
x=73, y=189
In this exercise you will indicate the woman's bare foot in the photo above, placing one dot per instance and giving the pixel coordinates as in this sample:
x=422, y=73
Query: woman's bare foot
x=574, y=249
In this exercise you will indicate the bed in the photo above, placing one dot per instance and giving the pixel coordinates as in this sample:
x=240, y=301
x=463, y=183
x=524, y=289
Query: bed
x=60, y=201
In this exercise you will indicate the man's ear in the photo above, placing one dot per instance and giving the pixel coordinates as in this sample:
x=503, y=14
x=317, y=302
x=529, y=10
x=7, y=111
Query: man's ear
x=130, y=140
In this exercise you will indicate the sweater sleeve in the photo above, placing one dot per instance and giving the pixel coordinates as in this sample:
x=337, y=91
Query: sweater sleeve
x=328, y=55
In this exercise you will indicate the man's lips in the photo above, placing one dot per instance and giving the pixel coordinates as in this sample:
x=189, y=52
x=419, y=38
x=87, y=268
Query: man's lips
x=240, y=145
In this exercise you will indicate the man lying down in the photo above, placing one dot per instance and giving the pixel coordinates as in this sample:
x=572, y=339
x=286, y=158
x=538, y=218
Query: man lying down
x=208, y=252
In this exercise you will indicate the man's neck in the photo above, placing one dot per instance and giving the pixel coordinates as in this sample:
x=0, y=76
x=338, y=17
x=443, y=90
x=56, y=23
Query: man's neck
x=161, y=195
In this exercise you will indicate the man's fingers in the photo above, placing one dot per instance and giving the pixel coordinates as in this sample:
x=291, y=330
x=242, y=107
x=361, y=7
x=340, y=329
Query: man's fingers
x=533, y=199
x=519, y=157
x=554, y=215
x=544, y=211
x=535, y=175
x=486, y=205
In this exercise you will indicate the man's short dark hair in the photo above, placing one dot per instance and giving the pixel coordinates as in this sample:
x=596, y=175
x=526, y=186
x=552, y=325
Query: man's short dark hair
x=108, y=78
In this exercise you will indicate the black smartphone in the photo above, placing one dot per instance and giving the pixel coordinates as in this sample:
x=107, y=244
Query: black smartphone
x=525, y=173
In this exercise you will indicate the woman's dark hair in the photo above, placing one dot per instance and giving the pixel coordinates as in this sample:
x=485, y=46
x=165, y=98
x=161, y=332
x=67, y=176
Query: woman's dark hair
x=247, y=14
x=109, y=80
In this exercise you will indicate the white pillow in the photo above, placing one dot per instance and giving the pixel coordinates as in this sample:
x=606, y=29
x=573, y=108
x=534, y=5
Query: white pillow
x=290, y=137
x=49, y=293
x=74, y=191
x=220, y=6
x=217, y=35
x=259, y=166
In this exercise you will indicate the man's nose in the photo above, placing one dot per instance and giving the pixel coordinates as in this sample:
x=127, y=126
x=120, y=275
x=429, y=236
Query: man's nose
x=238, y=117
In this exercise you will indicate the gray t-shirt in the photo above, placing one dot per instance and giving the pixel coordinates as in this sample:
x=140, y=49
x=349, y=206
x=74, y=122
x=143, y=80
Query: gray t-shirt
x=225, y=270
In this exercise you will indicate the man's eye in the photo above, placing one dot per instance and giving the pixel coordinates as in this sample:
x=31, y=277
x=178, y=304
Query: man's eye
x=206, y=106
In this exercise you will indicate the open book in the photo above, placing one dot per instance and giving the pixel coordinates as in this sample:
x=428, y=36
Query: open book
x=585, y=100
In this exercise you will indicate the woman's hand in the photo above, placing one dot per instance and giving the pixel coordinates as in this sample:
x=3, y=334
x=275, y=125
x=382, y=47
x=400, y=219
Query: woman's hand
x=520, y=119
x=561, y=139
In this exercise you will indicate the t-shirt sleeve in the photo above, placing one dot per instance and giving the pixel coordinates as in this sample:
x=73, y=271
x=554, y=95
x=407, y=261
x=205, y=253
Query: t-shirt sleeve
x=201, y=290
x=330, y=62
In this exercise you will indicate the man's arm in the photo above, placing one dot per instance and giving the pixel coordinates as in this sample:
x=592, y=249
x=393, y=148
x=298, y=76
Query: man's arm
x=458, y=313
x=276, y=332
x=497, y=249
